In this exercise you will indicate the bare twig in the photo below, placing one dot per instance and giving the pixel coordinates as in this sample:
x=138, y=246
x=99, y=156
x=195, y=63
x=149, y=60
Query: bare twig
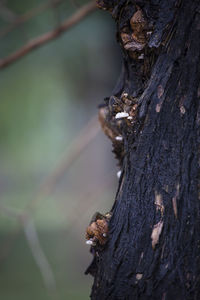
x=31, y=235
x=49, y=36
x=38, y=254
x=28, y=15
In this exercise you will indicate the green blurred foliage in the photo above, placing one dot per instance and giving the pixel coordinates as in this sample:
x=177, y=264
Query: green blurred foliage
x=47, y=97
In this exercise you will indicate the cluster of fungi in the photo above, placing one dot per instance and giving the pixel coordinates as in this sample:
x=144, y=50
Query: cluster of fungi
x=120, y=110
x=97, y=231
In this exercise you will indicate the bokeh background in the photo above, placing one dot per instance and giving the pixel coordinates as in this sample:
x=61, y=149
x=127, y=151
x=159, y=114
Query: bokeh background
x=57, y=168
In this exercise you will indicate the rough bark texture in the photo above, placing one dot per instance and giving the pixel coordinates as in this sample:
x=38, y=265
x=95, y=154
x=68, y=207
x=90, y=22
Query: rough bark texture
x=153, y=249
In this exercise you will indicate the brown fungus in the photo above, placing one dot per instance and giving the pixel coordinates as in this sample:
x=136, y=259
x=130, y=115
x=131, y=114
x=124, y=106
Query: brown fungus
x=97, y=231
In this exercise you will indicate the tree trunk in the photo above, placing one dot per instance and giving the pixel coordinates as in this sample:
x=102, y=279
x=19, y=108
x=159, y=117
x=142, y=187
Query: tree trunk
x=153, y=247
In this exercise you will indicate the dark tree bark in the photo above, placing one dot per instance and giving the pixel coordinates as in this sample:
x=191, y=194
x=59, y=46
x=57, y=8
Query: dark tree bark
x=153, y=248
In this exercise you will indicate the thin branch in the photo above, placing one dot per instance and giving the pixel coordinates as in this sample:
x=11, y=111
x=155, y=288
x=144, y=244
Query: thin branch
x=49, y=36
x=31, y=235
x=39, y=256
x=28, y=15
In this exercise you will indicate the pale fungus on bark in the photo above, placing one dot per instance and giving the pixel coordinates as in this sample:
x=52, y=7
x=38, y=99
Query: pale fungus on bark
x=120, y=115
x=119, y=174
x=119, y=138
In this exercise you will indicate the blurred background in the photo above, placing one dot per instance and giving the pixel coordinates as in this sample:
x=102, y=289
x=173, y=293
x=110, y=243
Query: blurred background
x=57, y=168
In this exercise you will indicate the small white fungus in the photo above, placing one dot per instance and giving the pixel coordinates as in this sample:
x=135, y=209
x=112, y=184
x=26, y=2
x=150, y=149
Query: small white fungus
x=125, y=94
x=89, y=242
x=130, y=118
x=119, y=138
x=141, y=56
x=119, y=173
x=120, y=115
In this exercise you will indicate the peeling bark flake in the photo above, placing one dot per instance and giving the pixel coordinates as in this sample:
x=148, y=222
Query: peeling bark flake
x=139, y=276
x=158, y=107
x=159, y=202
x=160, y=91
x=174, y=203
x=157, y=229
